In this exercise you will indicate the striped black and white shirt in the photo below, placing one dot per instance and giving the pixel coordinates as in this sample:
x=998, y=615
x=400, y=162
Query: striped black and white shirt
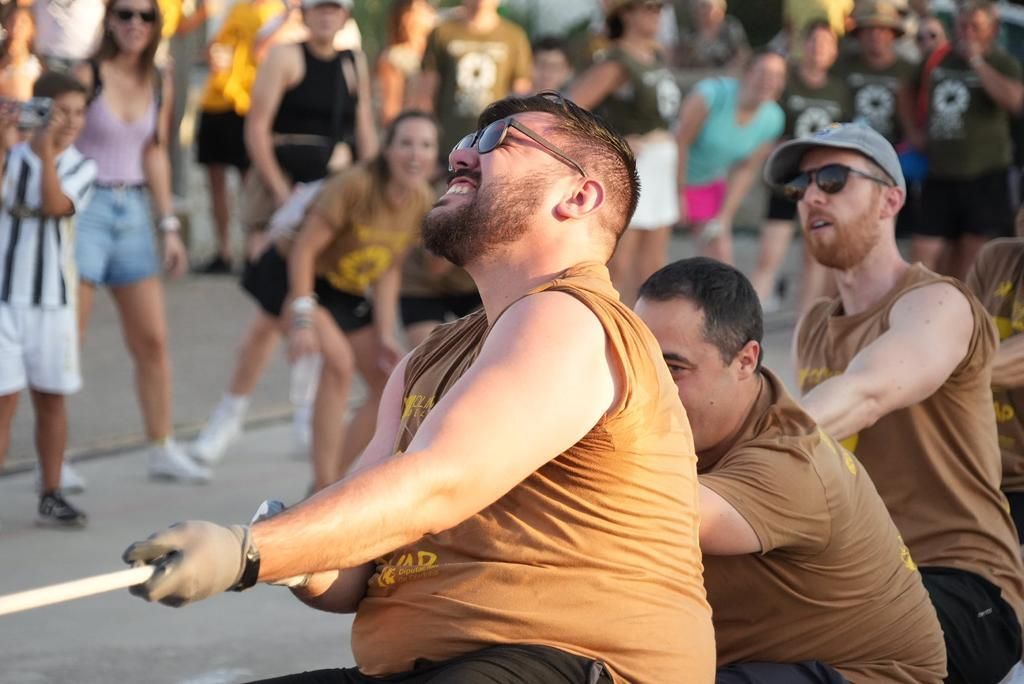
x=37, y=253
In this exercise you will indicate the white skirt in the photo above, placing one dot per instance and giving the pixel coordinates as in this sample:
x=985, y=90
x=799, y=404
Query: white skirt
x=659, y=199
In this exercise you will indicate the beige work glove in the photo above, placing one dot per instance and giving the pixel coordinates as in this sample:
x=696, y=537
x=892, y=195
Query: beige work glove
x=194, y=560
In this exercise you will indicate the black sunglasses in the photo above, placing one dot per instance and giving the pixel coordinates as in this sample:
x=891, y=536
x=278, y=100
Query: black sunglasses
x=830, y=179
x=929, y=35
x=492, y=135
x=126, y=15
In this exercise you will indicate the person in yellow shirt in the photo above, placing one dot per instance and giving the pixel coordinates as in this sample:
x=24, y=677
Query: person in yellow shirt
x=233, y=56
x=797, y=14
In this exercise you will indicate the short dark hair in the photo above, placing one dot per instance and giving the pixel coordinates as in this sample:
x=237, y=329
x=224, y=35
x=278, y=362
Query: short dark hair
x=602, y=151
x=551, y=44
x=816, y=24
x=53, y=84
x=732, y=311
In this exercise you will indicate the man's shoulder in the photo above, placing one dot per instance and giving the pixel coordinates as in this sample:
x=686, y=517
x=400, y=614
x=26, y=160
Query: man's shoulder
x=999, y=254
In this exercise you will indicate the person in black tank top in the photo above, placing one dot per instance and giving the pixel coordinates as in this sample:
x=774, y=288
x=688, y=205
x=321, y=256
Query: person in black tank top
x=291, y=132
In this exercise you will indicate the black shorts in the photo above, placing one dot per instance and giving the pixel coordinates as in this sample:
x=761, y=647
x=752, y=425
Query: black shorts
x=496, y=665
x=809, y=672
x=438, y=309
x=1016, y=500
x=977, y=206
x=780, y=208
x=266, y=280
x=983, y=640
x=221, y=140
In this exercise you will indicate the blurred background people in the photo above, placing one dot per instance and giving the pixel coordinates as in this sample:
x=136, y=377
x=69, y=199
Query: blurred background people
x=67, y=33
x=472, y=59
x=294, y=136
x=975, y=91
x=726, y=130
x=552, y=64
x=398, y=65
x=631, y=86
x=233, y=56
x=814, y=98
x=126, y=133
x=19, y=67
x=715, y=42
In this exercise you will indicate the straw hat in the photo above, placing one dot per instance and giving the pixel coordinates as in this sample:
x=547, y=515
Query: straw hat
x=878, y=14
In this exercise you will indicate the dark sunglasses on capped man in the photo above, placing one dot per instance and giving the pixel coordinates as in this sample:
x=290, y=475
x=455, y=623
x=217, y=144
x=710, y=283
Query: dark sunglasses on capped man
x=830, y=179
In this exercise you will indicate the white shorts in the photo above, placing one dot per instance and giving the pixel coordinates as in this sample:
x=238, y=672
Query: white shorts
x=659, y=197
x=38, y=349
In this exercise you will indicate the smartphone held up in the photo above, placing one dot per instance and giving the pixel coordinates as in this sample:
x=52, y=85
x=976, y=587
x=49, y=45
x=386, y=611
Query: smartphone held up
x=29, y=114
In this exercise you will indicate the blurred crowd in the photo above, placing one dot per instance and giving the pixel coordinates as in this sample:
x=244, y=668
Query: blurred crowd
x=339, y=155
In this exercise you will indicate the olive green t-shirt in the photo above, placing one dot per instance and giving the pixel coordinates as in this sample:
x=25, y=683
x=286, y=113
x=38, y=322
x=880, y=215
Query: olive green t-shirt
x=808, y=110
x=968, y=133
x=874, y=93
x=648, y=100
x=997, y=279
x=474, y=69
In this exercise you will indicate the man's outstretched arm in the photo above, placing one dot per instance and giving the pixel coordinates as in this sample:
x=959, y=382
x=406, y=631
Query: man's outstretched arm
x=930, y=329
x=542, y=380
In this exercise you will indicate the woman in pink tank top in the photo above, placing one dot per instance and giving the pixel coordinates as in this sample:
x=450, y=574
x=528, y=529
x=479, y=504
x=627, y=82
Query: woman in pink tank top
x=125, y=132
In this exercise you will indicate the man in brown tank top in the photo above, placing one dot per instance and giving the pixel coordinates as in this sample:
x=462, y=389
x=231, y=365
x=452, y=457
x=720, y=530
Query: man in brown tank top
x=898, y=366
x=805, y=571
x=997, y=279
x=527, y=509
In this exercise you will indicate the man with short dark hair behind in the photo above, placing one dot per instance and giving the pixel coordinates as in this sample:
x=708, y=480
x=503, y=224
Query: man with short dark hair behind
x=899, y=365
x=527, y=508
x=807, y=577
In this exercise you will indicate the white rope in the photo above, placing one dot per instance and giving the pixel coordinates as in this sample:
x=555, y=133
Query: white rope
x=68, y=591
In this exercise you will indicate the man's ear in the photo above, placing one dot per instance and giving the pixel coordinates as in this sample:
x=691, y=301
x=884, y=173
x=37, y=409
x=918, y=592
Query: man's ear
x=586, y=197
x=893, y=200
x=748, y=359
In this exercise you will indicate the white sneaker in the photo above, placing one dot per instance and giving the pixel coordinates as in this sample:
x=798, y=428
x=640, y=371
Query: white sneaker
x=168, y=461
x=223, y=428
x=70, y=480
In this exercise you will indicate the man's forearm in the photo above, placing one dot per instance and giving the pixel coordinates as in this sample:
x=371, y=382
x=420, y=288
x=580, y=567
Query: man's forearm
x=1008, y=366
x=357, y=520
x=840, y=408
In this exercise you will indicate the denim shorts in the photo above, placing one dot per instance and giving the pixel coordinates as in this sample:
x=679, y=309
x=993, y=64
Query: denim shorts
x=115, y=242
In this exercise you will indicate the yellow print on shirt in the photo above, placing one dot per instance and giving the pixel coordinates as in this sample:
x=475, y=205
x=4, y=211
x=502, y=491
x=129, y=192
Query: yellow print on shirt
x=908, y=561
x=846, y=454
x=810, y=378
x=417, y=406
x=407, y=566
x=1004, y=412
x=361, y=268
x=1005, y=289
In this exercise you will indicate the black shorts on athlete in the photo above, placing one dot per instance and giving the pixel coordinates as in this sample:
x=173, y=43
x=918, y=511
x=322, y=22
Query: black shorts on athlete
x=809, y=672
x=975, y=206
x=266, y=280
x=983, y=640
x=437, y=309
x=512, y=664
x=1016, y=500
x=220, y=140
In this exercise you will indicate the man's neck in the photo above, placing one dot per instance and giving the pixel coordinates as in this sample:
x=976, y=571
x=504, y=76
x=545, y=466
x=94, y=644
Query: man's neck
x=813, y=76
x=322, y=49
x=867, y=283
x=882, y=60
x=504, y=278
x=482, y=21
x=746, y=396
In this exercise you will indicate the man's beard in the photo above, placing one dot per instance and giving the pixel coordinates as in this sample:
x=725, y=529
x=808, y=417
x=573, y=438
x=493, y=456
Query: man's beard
x=498, y=214
x=851, y=243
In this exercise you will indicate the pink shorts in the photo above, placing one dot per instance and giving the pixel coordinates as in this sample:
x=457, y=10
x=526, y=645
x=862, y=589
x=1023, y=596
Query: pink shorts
x=703, y=202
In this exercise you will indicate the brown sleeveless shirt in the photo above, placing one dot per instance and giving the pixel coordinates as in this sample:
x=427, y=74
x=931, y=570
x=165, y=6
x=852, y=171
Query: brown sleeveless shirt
x=936, y=463
x=997, y=279
x=596, y=553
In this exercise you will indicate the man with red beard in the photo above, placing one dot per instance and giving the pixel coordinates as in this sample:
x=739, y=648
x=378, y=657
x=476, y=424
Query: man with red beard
x=527, y=508
x=898, y=366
